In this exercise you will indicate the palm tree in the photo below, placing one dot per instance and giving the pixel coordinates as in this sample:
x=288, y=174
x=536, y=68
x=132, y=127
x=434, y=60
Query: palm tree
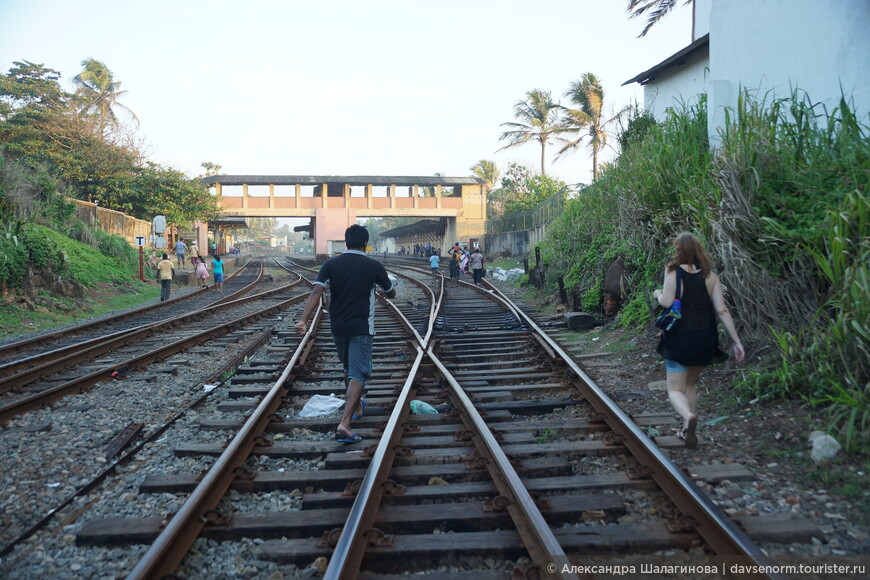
x=101, y=92
x=541, y=116
x=586, y=120
x=656, y=8
x=487, y=171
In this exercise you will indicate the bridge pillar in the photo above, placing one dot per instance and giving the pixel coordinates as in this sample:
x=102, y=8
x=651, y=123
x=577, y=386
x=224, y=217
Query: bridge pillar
x=329, y=224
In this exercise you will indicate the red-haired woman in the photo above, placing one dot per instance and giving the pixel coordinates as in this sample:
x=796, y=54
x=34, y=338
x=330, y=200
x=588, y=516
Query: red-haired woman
x=694, y=344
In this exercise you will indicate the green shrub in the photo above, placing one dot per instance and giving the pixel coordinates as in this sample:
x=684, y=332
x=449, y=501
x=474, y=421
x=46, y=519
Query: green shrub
x=782, y=209
x=13, y=255
x=40, y=251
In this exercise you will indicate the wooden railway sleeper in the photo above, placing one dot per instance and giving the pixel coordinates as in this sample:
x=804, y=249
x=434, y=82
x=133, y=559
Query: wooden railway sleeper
x=166, y=519
x=477, y=462
x=214, y=518
x=613, y=439
x=498, y=503
x=390, y=488
x=352, y=488
x=681, y=524
x=242, y=473
x=468, y=435
x=639, y=472
x=393, y=488
x=376, y=537
x=329, y=539
x=528, y=573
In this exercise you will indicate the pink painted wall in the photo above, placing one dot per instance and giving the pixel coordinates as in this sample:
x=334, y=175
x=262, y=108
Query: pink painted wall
x=329, y=224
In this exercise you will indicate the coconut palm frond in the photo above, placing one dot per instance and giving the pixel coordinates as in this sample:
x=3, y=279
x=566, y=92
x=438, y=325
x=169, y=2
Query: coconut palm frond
x=541, y=118
x=657, y=9
x=101, y=92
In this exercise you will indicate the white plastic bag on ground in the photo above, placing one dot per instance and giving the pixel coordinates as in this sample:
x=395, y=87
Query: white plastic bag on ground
x=422, y=408
x=321, y=405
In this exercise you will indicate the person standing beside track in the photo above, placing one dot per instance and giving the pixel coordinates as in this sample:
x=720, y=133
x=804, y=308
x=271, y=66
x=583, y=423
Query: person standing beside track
x=218, y=270
x=455, y=259
x=434, y=260
x=180, y=250
x=476, y=262
x=194, y=253
x=165, y=272
x=352, y=278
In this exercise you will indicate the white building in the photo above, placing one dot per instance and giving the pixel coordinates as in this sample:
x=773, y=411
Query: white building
x=769, y=47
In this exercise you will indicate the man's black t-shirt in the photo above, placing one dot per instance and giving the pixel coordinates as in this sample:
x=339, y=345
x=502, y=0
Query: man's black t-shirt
x=352, y=277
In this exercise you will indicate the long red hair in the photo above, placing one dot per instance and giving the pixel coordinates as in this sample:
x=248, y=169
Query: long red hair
x=688, y=250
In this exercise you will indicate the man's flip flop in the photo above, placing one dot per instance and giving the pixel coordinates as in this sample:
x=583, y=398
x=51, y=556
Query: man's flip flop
x=352, y=438
x=362, y=411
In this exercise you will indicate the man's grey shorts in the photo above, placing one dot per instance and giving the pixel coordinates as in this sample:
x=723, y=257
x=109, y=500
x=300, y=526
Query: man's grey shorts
x=355, y=354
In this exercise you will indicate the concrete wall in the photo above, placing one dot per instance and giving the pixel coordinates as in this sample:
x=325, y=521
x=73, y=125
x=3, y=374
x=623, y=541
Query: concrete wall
x=770, y=47
x=774, y=45
x=513, y=243
x=701, y=18
x=113, y=222
x=677, y=86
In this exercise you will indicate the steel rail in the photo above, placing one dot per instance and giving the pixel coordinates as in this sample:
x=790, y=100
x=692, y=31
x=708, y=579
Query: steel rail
x=357, y=532
x=538, y=537
x=721, y=534
x=174, y=542
x=54, y=393
x=434, y=306
x=139, y=446
x=39, y=363
x=354, y=538
x=14, y=347
x=43, y=364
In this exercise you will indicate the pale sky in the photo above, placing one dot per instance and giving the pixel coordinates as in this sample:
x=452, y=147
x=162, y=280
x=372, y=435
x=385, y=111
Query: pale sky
x=322, y=87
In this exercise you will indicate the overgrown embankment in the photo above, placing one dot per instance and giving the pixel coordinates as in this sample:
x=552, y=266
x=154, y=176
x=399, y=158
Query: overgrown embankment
x=782, y=206
x=53, y=267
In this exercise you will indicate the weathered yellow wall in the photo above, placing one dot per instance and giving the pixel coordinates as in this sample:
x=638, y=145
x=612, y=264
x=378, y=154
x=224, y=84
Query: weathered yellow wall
x=113, y=222
x=471, y=222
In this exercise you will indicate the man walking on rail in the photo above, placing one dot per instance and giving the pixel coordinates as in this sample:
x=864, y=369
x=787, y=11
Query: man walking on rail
x=352, y=278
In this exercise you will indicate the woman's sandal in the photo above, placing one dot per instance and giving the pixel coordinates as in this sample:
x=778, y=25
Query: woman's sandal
x=688, y=434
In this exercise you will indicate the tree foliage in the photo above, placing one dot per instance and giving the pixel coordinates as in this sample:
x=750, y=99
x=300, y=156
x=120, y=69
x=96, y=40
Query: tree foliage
x=78, y=140
x=654, y=9
x=159, y=190
x=539, y=119
x=586, y=121
x=521, y=190
x=100, y=92
x=488, y=171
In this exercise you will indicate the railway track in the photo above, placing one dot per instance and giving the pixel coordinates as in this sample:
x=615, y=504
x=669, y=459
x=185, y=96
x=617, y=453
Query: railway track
x=42, y=378
x=527, y=464
x=15, y=355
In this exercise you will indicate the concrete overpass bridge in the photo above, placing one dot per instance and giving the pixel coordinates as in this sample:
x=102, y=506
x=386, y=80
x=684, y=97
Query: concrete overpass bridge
x=334, y=202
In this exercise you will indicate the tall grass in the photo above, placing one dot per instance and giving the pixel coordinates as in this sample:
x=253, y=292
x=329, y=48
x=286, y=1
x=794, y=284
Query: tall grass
x=782, y=208
x=661, y=185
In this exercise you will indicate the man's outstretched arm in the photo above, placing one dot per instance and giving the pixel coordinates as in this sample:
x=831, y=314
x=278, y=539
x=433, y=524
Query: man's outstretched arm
x=302, y=325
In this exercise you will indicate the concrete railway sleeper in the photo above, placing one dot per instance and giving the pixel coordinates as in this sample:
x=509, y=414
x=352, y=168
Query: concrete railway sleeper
x=11, y=358
x=245, y=341
x=494, y=484
x=49, y=381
